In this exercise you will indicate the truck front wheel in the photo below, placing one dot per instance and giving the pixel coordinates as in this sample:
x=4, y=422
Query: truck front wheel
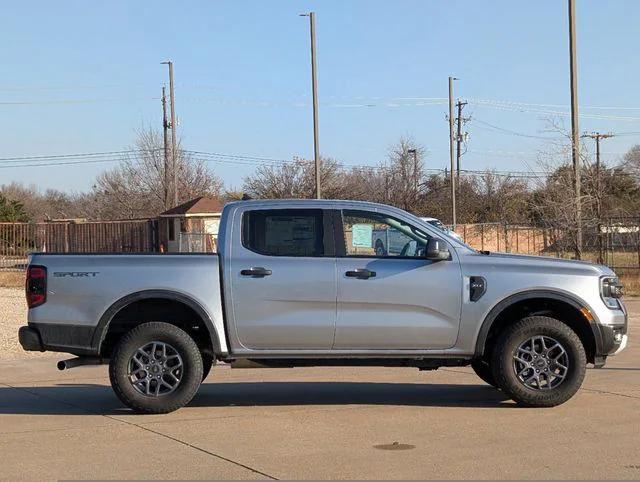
x=539, y=362
x=156, y=368
x=483, y=370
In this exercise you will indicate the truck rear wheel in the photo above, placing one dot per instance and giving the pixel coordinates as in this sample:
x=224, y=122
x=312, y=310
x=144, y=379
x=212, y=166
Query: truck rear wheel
x=155, y=368
x=539, y=362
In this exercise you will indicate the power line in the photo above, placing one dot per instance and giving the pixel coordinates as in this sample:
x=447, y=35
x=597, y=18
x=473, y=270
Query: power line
x=72, y=101
x=235, y=159
x=517, y=108
x=60, y=156
x=515, y=133
x=60, y=163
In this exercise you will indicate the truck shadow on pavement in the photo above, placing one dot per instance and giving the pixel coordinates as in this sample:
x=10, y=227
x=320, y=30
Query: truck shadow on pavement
x=88, y=399
x=348, y=393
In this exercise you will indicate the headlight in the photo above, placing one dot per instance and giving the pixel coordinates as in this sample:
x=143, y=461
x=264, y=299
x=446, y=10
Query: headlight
x=610, y=291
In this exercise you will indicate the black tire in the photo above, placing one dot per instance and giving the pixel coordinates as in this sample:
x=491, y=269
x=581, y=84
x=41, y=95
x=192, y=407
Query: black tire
x=380, y=251
x=207, y=363
x=189, y=372
x=504, y=367
x=483, y=370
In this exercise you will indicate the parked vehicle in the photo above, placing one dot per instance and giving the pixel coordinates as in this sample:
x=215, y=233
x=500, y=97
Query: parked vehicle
x=438, y=224
x=389, y=240
x=299, y=283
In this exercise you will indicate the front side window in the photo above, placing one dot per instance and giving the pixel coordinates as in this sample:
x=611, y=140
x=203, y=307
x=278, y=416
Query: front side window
x=284, y=232
x=374, y=234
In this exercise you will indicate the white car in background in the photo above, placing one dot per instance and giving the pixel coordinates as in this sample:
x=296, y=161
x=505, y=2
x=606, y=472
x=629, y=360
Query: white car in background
x=438, y=224
x=391, y=241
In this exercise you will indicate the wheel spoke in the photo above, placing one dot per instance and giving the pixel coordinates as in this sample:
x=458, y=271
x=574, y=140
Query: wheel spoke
x=541, y=362
x=542, y=345
x=523, y=371
x=149, y=365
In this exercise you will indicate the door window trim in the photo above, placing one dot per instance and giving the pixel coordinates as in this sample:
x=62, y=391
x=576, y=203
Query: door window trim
x=328, y=232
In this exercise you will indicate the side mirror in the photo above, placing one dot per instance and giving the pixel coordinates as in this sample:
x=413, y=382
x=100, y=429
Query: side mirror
x=437, y=250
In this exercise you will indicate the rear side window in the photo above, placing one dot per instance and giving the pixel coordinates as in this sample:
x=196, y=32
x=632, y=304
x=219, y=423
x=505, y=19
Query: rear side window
x=284, y=232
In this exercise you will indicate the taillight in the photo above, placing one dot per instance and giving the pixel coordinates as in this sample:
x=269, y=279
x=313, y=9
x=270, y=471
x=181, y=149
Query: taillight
x=36, y=285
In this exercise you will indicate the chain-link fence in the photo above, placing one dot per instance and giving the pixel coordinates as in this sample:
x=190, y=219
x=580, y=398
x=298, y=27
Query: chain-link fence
x=615, y=242
x=197, y=243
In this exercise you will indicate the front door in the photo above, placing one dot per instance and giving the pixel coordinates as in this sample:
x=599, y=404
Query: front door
x=283, y=280
x=393, y=299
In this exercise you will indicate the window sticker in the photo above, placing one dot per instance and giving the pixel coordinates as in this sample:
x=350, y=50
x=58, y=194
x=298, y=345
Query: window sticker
x=361, y=235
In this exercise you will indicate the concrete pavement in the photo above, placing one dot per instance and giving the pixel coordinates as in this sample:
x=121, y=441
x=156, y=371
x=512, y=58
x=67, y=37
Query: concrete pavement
x=319, y=423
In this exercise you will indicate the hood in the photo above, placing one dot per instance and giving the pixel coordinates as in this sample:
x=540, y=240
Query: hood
x=543, y=262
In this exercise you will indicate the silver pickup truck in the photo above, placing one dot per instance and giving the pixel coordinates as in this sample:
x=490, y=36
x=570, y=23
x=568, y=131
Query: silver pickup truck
x=299, y=283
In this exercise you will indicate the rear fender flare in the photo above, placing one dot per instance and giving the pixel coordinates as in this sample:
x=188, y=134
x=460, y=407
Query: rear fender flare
x=103, y=324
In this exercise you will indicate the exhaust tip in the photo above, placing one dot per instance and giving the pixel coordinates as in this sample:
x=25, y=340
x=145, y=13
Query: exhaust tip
x=62, y=365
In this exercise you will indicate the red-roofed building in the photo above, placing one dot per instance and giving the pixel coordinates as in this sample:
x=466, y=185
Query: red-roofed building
x=191, y=226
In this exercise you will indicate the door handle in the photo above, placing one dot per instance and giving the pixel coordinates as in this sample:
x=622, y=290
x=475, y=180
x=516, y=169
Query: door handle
x=257, y=272
x=361, y=273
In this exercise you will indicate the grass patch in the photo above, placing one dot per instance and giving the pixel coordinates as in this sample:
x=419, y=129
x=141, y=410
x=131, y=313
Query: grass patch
x=11, y=279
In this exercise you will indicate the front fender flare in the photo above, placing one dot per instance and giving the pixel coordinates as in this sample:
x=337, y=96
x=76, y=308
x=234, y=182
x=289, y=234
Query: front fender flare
x=517, y=297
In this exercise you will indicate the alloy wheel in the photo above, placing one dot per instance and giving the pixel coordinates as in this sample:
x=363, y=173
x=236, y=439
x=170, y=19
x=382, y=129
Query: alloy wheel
x=155, y=369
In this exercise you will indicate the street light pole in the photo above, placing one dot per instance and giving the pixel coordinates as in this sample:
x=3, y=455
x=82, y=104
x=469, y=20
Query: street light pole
x=314, y=89
x=174, y=149
x=451, y=155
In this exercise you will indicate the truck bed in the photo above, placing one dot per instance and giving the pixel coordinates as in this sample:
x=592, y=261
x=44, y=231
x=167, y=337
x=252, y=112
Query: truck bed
x=83, y=289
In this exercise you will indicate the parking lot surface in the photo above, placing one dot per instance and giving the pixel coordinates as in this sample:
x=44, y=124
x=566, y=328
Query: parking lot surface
x=365, y=423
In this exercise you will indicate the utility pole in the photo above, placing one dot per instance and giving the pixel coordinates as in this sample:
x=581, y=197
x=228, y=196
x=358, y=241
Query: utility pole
x=451, y=156
x=165, y=138
x=174, y=147
x=460, y=121
x=575, y=135
x=597, y=136
x=314, y=90
x=415, y=168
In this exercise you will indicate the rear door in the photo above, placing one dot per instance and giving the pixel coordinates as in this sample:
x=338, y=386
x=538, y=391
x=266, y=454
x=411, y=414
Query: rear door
x=394, y=300
x=283, y=280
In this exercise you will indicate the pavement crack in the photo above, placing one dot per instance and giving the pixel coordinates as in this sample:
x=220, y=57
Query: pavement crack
x=595, y=390
x=195, y=447
x=169, y=437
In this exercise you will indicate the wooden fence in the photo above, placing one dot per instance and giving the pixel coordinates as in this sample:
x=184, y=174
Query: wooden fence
x=17, y=240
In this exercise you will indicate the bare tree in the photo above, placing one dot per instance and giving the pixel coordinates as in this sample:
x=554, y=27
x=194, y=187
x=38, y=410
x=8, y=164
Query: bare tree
x=50, y=204
x=296, y=179
x=501, y=199
x=632, y=161
x=136, y=188
x=406, y=174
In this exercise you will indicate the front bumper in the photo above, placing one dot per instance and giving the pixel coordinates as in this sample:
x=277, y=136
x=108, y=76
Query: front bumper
x=611, y=339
